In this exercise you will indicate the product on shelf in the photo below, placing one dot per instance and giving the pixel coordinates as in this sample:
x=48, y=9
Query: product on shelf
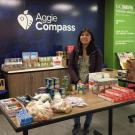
x=46, y=61
x=12, y=64
x=57, y=61
x=60, y=53
x=34, y=57
x=32, y=60
x=12, y=61
x=26, y=57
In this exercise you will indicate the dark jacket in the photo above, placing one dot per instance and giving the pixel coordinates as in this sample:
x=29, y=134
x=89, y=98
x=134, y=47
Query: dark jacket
x=95, y=62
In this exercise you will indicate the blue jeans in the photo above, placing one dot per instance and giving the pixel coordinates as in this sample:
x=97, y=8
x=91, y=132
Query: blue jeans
x=87, y=122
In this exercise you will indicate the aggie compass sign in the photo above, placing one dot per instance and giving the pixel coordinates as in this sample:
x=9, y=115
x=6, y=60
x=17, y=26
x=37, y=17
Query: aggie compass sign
x=43, y=22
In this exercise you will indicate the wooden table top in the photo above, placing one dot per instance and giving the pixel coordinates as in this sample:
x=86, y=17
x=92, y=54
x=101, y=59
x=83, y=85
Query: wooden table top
x=94, y=104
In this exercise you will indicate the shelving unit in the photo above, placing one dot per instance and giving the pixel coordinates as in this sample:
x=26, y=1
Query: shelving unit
x=22, y=82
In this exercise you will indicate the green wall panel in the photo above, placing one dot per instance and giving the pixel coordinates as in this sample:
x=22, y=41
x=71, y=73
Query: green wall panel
x=122, y=38
x=109, y=32
x=124, y=27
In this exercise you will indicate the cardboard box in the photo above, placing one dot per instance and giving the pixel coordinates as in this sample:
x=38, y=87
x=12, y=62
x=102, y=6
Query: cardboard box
x=100, y=81
x=131, y=69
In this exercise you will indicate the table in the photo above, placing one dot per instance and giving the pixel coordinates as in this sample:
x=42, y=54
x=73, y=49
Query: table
x=114, y=73
x=95, y=104
x=130, y=117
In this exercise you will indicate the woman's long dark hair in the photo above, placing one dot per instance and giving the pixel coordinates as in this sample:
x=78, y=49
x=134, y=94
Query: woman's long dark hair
x=90, y=47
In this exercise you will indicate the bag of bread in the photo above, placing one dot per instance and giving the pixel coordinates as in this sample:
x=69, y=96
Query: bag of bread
x=61, y=106
x=40, y=111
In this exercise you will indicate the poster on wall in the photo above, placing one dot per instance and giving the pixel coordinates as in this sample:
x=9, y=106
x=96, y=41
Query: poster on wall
x=124, y=23
x=124, y=28
x=47, y=26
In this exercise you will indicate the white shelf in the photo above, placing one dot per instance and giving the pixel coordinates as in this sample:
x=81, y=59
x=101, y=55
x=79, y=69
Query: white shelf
x=34, y=69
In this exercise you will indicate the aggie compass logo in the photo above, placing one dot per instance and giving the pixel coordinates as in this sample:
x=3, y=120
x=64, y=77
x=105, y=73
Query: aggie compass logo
x=25, y=20
x=43, y=22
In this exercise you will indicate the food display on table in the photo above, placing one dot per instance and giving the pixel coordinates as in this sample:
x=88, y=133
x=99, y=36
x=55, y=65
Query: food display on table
x=118, y=94
x=60, y=105
x=76, y=101
x=100, y=81
x=11, y=106
x=23, y=117
x=39, y=110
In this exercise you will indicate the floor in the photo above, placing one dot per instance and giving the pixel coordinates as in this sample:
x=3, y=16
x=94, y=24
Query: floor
x=99, y=122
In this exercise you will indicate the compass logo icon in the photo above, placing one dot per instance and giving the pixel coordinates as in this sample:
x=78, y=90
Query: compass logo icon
x=25, y=20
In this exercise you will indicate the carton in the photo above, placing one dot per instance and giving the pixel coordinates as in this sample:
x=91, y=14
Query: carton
x=100, y=81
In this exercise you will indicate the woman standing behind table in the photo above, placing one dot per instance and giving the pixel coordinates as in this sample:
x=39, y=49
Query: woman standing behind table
x=85, y=58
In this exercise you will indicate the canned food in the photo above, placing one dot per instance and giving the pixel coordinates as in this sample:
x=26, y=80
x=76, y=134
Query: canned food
x=50, y=81
x=56, y=80
x=65, y=81
x=73, y=87
x=62, y=91
x=51, y=92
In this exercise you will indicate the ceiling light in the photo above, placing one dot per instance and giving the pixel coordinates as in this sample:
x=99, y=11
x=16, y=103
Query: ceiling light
x=93, y=8
x=62, y=7
x=10, y=3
